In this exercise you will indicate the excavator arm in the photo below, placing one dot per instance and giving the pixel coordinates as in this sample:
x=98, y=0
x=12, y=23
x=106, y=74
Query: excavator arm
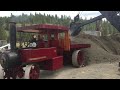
x=76, y=27
x=112, y=16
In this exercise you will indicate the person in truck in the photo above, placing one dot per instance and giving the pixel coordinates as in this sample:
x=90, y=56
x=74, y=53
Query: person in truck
x=33, y=41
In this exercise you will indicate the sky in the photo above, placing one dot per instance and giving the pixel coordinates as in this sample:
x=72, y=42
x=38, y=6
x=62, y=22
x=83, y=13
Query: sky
x=72, y=14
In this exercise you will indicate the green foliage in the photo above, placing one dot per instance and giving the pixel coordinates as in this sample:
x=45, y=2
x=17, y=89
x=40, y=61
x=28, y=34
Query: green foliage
x=3, y=35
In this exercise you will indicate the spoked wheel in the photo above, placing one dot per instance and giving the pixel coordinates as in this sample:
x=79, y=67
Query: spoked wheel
x=20, y=74
x=78, y=58
x=32, y=72
x=9, y=74
x=13, y=73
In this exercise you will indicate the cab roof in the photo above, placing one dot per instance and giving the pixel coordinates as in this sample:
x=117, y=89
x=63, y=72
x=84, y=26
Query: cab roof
x=42, y=27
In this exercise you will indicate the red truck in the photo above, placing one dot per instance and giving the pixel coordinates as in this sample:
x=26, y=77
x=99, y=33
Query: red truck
x=51, y=53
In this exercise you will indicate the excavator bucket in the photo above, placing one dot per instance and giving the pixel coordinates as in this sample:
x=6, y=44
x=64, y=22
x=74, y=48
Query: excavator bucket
x=74, y=29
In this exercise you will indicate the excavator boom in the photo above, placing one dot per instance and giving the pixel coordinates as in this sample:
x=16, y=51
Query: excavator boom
x=113, y=17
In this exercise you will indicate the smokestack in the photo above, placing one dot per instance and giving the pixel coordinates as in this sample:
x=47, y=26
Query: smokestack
x=12, y=36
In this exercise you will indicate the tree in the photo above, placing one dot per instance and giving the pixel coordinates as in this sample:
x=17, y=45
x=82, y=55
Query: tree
x=3, y=35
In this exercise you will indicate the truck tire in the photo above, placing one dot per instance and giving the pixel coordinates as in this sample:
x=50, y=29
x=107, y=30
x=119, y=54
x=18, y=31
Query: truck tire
x=78, y=58
x=32, y=72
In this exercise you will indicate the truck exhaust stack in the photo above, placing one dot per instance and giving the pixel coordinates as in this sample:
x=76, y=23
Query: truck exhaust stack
x=12, y=36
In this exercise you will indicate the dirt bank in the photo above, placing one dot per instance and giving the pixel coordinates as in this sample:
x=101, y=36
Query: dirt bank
x=103, y=49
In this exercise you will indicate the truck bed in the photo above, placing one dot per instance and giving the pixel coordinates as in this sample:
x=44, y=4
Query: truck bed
x=79, y=46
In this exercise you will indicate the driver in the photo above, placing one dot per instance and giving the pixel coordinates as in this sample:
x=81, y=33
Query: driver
x=33, y=42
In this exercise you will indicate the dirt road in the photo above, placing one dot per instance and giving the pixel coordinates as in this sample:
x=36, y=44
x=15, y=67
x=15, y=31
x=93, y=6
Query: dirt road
x=93, y=71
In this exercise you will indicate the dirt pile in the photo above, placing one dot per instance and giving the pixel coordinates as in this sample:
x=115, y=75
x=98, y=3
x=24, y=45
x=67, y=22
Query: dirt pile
x=103, y=49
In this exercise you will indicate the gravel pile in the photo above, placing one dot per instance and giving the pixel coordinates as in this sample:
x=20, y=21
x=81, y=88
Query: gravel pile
x=103, y=49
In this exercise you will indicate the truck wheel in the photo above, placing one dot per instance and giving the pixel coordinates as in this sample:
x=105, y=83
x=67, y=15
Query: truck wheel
x=32, y=72
x=78, y=58
x=20, y=74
